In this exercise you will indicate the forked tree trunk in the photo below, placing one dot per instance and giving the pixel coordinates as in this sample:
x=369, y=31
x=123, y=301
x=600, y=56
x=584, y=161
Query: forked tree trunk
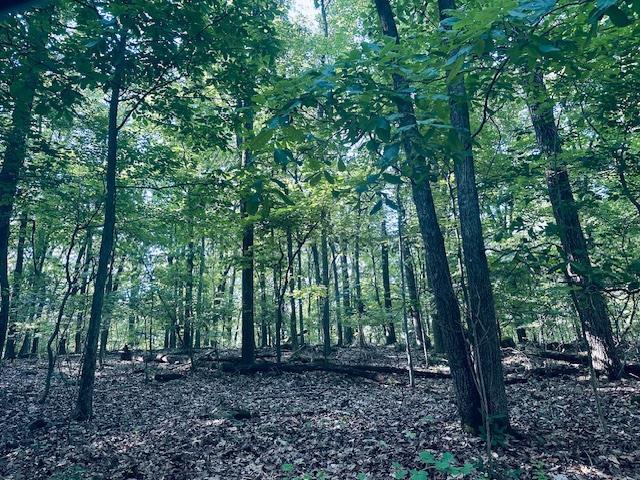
x=482, y=316
x=448, y=310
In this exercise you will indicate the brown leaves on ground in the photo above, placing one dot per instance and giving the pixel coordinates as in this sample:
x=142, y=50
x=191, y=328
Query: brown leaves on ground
x=209, y=425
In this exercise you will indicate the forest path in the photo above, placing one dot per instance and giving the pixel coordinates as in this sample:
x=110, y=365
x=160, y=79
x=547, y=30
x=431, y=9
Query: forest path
x=341, y=425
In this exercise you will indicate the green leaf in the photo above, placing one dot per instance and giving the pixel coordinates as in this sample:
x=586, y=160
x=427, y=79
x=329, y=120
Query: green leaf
x=282, y=157
x=262, y=138
x=393, y=179
x=618, y=17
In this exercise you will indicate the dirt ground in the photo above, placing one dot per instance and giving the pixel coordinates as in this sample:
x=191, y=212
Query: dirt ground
x=210, y=425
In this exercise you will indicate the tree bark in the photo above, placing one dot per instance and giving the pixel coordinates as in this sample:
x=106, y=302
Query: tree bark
x=448, y=310
x=482, y=315
x=248, y=334
x=84, y=406
x=586, y=293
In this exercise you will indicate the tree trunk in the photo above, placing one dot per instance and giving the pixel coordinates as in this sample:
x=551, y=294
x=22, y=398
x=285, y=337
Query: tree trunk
x=482, y=315
x=324, y=253
x=336, y=292
x=199, y=296
x=187, y=339
x=346, y=294
x=23, y=89
x=84, y=405
x=10, y=352
x=586, y=293
x=358, y=286
x=300, y=316
x=293, y=327
x=263, y=310
x=248, y=334
x=386, y=286
x=448, y=310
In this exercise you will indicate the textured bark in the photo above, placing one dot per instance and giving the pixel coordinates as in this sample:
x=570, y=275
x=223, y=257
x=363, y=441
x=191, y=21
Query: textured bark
x=248, y=334
x=84, y=405
x=482, y=316
x=585, y=291
x=448, y=310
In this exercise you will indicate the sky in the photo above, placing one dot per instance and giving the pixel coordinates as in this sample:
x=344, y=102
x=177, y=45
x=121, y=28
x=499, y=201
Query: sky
x=303, y=12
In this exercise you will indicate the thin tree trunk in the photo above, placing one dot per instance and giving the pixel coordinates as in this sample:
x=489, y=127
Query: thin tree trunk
x=324, y=253
x=293, y=327
x=336, y=290
x=187, y=339
x=346, y=294
x=84, y=405
x=10, y=352
x=386, y=286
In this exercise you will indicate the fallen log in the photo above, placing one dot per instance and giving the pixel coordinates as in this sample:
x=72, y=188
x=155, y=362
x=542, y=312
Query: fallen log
x=167, y=377
x=630, y=369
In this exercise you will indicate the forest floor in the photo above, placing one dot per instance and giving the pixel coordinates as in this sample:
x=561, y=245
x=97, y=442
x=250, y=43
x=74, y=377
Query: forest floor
x=214, y=425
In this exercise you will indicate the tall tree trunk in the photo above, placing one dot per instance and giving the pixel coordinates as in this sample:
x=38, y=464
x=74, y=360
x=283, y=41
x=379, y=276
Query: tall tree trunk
x=23, y=89
x=300, y=315
x=248, y=334
x=133, y=307
x=293, y=327
x=199, y=296
x=358, y=286
x=336, y=291
x=482, y=315
x=326, y=321
x=346, y=294
x=263, y=310
x=448, y=310
x=586, y=292
x=187, y=340
x=17, y=284
x=84, y=405
x=386, y=286
x=86, y=278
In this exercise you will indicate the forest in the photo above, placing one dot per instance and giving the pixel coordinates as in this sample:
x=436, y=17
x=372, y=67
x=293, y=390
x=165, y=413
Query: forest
x=328, y=239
